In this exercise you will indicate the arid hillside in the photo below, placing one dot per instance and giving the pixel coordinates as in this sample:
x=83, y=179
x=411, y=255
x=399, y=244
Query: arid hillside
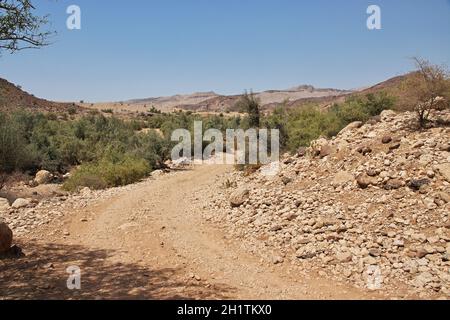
x=267, y=99
x=393, y=87
x=211, y=102
x=12, y=98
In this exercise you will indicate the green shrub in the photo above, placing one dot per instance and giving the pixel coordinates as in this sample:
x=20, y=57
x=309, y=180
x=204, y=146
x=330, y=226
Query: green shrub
x=299, y=126
x=107, y=173
x=86, y=176
x=377, y=103
x=249, y=103
x=153, y=148
x=357, y=108
x=126, y=171
x=309, y=124
x=279, y=119
x=34, y=141
x=72, y=110
x=12, y=144
x=30, y=142
x=154, y=110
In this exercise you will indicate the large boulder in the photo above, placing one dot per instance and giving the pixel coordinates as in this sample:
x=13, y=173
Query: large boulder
x=445, y=197
x=325, y=151
x=21, y=203
x=364, y=181
x=351, y=127
x=238, y=197
x=6, y=237
x=444, y=170
x=43, y=177
x=386, y=139
x=316, y=145
x=417, y=184
x=387, y=115
x=321, y=147
x=394, y=184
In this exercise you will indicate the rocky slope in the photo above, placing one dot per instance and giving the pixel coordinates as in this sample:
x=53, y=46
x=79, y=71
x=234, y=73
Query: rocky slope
x=370, y=207
x=12, y=98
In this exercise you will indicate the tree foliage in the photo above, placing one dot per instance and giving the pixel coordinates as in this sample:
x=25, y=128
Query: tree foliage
x=249, y=104
x=299, y=126
x=427, y=90
x=20, y=27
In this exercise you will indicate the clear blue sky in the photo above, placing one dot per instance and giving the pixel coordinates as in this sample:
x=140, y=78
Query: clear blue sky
x=143, y=48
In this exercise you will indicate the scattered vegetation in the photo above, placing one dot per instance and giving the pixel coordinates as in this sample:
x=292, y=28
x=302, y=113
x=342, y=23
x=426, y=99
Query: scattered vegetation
x=100, y=151
x=109, y=172
x=154, y=110
x=298, y=127
x=249, y=104
x=105, y=151
x=427, y=90
x=72, y=110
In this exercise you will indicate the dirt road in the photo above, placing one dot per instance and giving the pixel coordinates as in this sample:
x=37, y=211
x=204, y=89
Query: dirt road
x=152, y=243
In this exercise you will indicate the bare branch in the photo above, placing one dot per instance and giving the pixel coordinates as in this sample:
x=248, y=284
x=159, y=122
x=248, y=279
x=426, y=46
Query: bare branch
x=20, y=28
x=428, y=89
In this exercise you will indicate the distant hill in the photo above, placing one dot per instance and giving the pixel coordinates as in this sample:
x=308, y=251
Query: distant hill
x=392, y=87
x=212, y=102
x=14, y=98
x=270, y=99
x=172, y=102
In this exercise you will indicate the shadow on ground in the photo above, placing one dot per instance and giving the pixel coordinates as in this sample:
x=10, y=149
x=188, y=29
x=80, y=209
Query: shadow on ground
x=42, y=275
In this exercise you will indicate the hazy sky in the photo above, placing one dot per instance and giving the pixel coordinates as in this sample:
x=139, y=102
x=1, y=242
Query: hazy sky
x=143, y=48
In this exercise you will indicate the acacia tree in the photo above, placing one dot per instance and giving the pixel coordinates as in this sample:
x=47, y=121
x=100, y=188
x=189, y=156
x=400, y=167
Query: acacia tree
x=428, y=89
x=20, y=28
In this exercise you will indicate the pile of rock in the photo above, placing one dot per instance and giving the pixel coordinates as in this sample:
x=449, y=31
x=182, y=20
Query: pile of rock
x=375, y=200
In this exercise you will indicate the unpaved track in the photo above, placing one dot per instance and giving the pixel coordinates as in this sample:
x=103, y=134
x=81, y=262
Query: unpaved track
x=152, y=243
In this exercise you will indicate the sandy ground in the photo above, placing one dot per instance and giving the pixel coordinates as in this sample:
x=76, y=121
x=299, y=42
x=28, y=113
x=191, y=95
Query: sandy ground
x=153, y=243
